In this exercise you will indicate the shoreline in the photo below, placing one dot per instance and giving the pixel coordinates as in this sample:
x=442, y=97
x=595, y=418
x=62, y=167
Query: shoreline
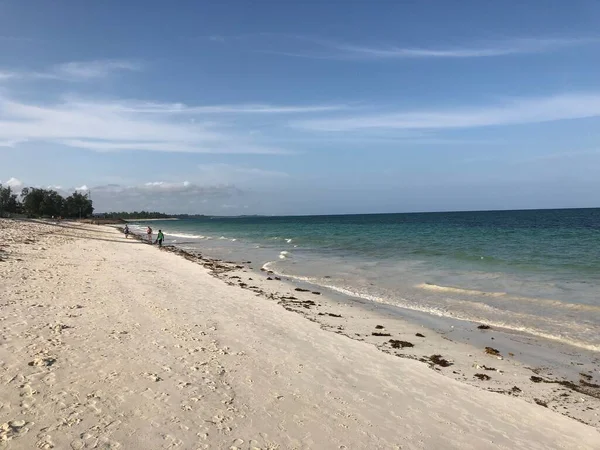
x=524, y=366
x=561, y=307
x=111, y=343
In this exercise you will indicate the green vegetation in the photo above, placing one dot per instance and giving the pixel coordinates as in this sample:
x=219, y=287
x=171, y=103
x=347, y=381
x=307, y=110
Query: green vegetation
x=9, y=203
x=36, y=202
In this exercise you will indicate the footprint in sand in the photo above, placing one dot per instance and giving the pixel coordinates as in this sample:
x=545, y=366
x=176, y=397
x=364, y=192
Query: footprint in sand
x=45, y=442
x=12, y=430
x=152, y=376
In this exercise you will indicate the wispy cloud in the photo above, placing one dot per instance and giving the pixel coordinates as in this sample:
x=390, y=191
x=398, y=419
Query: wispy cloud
x=319, y=48
x=514, y=112
x=93, y=69
x=74, y=71
x=174, y=146
x=502, y=48
x=103, y=126
x=12, y=143
x=181, y=108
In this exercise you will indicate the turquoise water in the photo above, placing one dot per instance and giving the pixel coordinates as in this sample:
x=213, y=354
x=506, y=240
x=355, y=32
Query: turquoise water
x=533, y=271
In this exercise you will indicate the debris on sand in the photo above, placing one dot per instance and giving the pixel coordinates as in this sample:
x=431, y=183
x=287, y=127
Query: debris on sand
x=301, y=290
x=42, y=362
x=419, y=335
x=482, y=376
x=379, y=327
x=583, y=387
x=400, y=344
x=483, y=327
x=334, y=315
x=437, y=360
x=540, y=402
x=380, y=334
x=492, y=351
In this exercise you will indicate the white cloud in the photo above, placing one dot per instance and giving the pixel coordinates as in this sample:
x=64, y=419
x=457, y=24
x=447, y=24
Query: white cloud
x=520, y=111
x=82, y=188
x=106, y=126
x=14, y=183
x=75, y=71
x=170, y=197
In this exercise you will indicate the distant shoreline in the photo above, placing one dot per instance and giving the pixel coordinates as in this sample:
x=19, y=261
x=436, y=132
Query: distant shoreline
x=150, y=220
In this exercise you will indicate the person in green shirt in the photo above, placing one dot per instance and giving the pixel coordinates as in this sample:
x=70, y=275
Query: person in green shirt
x=160, y=238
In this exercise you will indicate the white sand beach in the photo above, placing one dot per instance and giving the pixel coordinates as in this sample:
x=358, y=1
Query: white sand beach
x=111, y=343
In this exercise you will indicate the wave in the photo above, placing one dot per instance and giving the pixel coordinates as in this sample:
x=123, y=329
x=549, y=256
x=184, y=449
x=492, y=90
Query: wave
x=494, y=323
x=187, y=236
x=267, y=267
x=444, y=313
x=506, y=296
x=284, y=255
x=288, y=240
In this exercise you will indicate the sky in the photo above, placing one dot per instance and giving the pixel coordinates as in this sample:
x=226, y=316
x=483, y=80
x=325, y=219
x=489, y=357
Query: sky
x=303, y=107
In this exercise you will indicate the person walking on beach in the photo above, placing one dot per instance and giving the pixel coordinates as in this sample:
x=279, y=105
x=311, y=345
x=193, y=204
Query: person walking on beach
x=126, y=231
x=160, y=238
x=149, y=233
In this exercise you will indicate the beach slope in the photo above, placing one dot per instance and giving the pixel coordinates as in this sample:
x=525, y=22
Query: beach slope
x=111, y=343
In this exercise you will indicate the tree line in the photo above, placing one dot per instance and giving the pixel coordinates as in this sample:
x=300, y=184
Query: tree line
x=36, y=202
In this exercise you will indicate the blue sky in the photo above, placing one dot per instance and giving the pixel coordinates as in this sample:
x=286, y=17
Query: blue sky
x=303, y=107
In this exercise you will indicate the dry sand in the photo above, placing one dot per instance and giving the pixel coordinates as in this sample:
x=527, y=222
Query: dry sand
x=111, y=343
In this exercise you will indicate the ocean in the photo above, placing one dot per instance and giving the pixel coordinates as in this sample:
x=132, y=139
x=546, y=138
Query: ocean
x=535, y=271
